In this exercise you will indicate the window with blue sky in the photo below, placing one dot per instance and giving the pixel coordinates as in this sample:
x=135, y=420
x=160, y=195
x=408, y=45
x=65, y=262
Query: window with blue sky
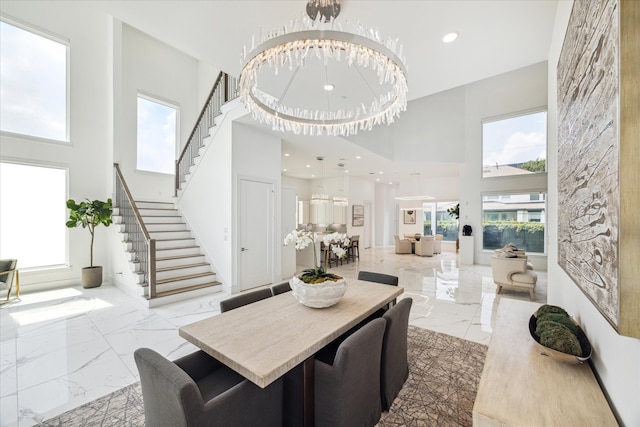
x=33, y=83
x=157, y=133
x=515, y=145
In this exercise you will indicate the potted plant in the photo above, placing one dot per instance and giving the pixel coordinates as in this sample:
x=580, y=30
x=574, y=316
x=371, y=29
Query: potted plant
x=455, y=213
x=315, y=287
x=90, y=214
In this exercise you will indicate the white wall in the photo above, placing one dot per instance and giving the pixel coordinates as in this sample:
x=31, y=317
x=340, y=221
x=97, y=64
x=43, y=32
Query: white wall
x=360, y=191
x=616, y=358
x=454, y=134
x=519, y=90
x=158, y=70
x=302, y=186
x=207, y=207
x=88, y=156
x=432, y=129
x=257, y=155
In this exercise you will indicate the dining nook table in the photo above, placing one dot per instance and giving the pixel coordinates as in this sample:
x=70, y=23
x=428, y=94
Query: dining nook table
x=264, y=340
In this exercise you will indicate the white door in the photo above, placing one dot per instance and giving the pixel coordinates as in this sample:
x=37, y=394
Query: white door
x=255, y=233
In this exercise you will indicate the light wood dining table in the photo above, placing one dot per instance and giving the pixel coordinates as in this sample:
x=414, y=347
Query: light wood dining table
x=264, y=340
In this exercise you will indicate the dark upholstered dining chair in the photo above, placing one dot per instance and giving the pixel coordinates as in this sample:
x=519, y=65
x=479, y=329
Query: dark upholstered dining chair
x=280, y=288
x=197, y=390
x=385, y=279
x=395, y=366
x=370, y=276
x=244, y=299
x=347, y=393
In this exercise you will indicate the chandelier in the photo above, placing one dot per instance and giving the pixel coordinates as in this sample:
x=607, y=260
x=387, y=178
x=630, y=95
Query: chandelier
x=287, y=79
x=320, y=198
x=341, y=200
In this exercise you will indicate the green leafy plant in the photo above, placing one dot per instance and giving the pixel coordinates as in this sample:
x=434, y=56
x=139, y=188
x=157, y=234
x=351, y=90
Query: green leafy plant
x=455, y=211
x=89, y=214
x=539, y=165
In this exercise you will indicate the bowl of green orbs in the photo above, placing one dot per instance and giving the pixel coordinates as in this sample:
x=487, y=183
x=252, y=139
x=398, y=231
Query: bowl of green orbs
x=559, y=336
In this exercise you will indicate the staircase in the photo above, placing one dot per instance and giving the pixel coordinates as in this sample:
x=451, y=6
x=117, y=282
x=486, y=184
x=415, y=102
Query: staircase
x=159, y=246
x=181, y=267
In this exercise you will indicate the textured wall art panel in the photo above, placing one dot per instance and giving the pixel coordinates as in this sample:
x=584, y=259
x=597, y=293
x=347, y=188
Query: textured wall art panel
x=588, y=153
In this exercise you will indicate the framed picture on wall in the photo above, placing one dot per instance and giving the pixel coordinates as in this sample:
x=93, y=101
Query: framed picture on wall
x=357, y=219
x=409, y=217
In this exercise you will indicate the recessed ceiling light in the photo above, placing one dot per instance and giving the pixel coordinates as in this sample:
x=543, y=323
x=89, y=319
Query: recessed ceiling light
x=358, y=157
x=380, y=172
x=328, y=87
x=287, y=154
x=284, y=170
x=346, y=171
x=308, y=166
x=390, y=182
x=450, y=37
x=377, y=179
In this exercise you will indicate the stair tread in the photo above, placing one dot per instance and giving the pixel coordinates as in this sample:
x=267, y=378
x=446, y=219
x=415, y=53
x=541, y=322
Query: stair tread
x=187, y=288
x=178, y=267
x=189, y=276
x=177, y=247
x=171, y=258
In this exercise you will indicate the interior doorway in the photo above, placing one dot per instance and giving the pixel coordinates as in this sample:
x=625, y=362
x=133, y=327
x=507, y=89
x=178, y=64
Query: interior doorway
x=255, y=233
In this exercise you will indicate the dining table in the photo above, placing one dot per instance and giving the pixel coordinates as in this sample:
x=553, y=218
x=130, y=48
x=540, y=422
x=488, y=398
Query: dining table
x=264, y=340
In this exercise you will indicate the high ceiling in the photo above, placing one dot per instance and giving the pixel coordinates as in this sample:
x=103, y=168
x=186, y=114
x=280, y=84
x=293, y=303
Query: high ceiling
x=495, y=36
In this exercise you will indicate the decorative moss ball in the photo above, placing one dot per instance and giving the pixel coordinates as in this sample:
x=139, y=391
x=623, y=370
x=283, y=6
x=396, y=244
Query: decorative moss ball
x=547, y=325
x=548, y=308
x=558, y=318
x=560, y=339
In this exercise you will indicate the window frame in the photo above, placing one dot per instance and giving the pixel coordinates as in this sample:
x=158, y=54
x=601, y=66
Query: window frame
x=518, y=192
x=520, y=113
x=167, y=103
x=48, y=165
x=432, y=208
x=67, y=43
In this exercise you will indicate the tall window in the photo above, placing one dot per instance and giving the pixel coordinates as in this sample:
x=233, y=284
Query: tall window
x=33, y=214
x=438, y=221
x=157, y=134
x=514, y=218
x=515, y=145
x=33, y=83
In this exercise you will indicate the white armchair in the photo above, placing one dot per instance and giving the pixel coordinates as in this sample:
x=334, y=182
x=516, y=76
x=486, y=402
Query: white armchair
x=424, y=247
x=512, y=273
x=437, y=244
x=403, y=246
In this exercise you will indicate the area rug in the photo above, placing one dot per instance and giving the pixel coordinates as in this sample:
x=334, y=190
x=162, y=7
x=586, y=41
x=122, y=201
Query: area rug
x=440, y=390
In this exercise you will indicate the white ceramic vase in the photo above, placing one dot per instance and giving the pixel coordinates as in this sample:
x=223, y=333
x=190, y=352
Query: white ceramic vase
x=318, y=295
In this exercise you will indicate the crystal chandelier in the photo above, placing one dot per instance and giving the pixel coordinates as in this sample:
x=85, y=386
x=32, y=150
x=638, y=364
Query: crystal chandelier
x=320, y=198
x=341, y=200
x=301, y=55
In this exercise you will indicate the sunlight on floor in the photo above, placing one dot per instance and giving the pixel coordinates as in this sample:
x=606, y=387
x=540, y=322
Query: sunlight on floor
x=57, y=311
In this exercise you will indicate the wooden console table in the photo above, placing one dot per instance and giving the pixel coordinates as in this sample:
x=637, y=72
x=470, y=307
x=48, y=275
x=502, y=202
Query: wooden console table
x=521, y=387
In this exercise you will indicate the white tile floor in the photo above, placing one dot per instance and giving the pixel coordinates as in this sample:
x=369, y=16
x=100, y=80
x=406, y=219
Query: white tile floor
x=62, y=348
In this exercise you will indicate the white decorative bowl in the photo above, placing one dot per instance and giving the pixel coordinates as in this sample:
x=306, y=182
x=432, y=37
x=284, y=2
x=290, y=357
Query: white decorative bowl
x=318, y=295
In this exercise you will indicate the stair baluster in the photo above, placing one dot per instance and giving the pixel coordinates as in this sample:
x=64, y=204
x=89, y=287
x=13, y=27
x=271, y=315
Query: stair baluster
x=143, y=246
x=223, y=91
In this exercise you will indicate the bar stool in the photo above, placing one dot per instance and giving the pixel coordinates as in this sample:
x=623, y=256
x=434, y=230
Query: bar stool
x=354, y=247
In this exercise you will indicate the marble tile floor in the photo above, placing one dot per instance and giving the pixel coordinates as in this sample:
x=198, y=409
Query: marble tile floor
x=62, y=348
